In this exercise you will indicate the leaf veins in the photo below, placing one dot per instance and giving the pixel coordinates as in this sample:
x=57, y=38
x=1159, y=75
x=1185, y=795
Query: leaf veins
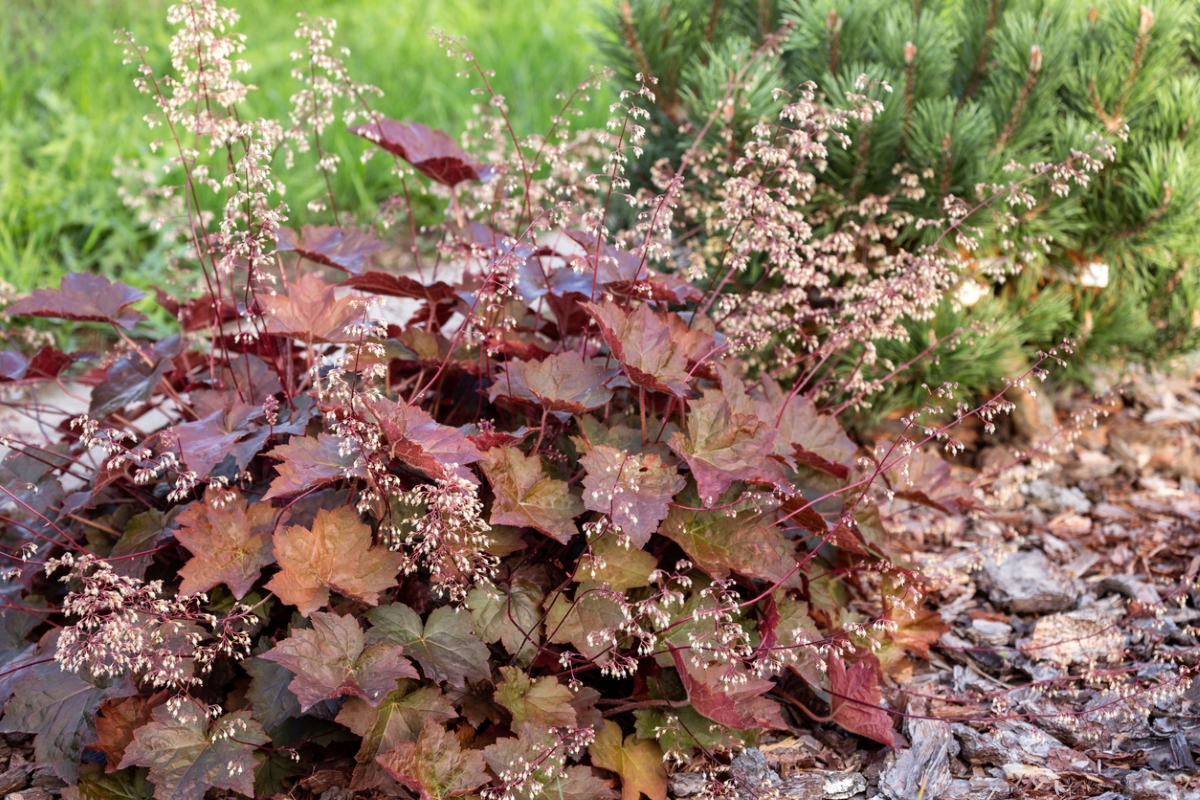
x=335, y=555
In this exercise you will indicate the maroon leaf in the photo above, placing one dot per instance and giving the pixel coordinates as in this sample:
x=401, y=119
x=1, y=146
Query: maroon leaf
x=310, y=311
x=84, y=297
x=331, y=660
x=723, y=446
x=205, y=443
x=432, y=152
x=46, y=364
x=309, y=462
x=197, y=313
x=642, y=342
x=727, y=695
x=634, y=489
x=331, y=245
x=422, y=443
x=399, y=286
x=854, y=700
x=563, y=382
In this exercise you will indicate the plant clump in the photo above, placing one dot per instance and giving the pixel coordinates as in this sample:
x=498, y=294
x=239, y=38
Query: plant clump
x=534, y=515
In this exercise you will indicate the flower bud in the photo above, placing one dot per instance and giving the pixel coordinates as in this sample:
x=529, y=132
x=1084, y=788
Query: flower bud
x=910, y=52
x=833, y=22
x=1035, y=59
x=1145, y=21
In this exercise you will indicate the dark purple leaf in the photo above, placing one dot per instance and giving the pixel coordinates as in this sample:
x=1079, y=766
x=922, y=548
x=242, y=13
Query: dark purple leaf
x=85, y=297
x=343, y=248
x=432, y=152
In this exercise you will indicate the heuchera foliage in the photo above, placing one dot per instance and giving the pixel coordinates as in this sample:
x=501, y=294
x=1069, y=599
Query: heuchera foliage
x=519, y=519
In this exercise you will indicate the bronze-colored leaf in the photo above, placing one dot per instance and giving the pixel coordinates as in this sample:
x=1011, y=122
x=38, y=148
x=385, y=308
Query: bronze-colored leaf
x=310, y=311
x=526, y=497
x=187, y=755
x=435, y=765
x=421, y=443
x=723, y=446
x=308, y=462
x=398, y=718
x=642, y=342
x=564, y=382
x=633, y=489
x=230, y=542
x=541, y=701
x=639, y=762
x=335, y=555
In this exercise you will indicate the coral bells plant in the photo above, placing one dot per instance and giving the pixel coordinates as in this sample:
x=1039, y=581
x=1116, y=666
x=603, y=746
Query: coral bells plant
x=526, y=504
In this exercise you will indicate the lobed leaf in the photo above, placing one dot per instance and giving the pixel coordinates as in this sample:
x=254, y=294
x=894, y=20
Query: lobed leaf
x=639, y=762
x=527, y=498
x=446, y=646
x=187, y=755
x=332, y=245
x=723, y=446
x=334, y=555
x=84, y=297
x=642, y=342
x=230, y=542
x=435, y=765
x=60, y=708
x=634, y=490
x=540, y=701
x=398, y=718
x=854, y=700
x=421, y=443
x=431, y=152
x=309, y=462
x=309, y=310
x=331, y=659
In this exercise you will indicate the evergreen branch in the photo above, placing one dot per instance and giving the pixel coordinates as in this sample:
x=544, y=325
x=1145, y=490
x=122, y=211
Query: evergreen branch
x=980, y=60
x=670, y=108
x=910, y=91
x=1014, y=119
x=834, y=25
x=1113, y=122
x=1139, y=52
x=1151, y=218
x=712, y=20
x=947, y=159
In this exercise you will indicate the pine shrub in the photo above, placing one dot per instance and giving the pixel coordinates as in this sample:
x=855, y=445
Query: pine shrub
x=969, y=88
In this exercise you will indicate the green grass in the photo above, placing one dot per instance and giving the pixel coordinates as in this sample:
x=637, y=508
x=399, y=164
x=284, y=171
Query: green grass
x=68, y=106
